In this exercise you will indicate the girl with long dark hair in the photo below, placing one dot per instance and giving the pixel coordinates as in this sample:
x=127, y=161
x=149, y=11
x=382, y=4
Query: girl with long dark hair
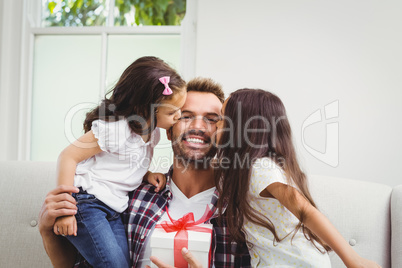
x=263, y=191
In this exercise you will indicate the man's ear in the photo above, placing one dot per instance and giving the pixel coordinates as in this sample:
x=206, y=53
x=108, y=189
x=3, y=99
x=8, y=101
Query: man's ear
x=169, y=133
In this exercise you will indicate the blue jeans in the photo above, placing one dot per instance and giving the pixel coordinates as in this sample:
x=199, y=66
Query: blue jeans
x=101, y=238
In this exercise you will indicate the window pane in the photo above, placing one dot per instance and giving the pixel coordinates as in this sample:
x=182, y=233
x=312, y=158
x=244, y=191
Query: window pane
x=74, y=12
x=123, y=50
x=65, y=86
x=149, y=12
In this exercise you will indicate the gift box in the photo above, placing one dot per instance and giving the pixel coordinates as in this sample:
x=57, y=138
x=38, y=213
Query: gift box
x=169, y=238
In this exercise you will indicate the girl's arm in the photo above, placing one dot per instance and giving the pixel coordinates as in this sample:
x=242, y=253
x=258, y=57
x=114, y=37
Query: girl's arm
x=83, y=148
x=318, y=224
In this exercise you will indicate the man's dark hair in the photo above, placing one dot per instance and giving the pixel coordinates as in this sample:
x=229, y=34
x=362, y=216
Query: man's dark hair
x=207, y=85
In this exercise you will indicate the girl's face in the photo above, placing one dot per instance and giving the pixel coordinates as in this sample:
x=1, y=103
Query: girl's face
x=168, y=112
x=219, y=125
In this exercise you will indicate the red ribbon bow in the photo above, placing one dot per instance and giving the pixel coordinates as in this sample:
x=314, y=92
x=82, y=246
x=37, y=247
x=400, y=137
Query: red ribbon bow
x=181, y=238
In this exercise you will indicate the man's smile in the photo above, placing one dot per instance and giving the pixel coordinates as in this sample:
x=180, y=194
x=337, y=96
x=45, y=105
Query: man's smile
x=196, y=140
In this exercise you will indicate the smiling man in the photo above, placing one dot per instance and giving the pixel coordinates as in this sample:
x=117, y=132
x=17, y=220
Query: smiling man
x=191, y=137
x=190, y=188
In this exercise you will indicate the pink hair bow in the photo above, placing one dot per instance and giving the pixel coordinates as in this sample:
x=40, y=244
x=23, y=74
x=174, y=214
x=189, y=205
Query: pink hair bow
x=165, y=80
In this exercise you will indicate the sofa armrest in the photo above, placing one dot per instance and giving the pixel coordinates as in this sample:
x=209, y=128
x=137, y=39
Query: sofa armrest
x=396, y=221
x=23, y=187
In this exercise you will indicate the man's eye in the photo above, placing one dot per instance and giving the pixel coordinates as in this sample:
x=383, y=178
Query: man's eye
x=184, y=117
x=213, y=120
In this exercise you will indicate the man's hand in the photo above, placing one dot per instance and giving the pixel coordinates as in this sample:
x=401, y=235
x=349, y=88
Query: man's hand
x=186, y=255
x=66, y=225
x=58, y=203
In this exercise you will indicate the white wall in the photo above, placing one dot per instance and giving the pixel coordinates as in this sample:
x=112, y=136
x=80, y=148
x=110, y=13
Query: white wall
x=311, y=54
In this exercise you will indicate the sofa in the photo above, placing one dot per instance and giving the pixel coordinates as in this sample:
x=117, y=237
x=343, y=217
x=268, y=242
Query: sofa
x=368, y=215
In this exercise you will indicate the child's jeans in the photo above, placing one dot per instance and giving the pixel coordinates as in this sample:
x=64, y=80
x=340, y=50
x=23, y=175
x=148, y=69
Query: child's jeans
x=101, y=238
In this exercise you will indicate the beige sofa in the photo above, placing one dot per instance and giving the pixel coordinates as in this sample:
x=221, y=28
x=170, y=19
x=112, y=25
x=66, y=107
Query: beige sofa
x=368, y=215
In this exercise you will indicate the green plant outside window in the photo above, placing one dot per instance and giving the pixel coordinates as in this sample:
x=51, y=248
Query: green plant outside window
x=71, y=13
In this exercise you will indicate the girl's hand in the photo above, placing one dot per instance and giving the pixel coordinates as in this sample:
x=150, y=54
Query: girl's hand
x=66, y=225
x=157, y=179
x=186, y=255
x=364, y=263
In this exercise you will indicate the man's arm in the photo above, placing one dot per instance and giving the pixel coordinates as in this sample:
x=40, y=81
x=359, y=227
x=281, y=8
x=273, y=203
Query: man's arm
x=58, y=202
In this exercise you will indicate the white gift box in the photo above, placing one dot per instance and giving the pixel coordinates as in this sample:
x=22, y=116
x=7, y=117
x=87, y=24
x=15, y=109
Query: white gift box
x=199, y=244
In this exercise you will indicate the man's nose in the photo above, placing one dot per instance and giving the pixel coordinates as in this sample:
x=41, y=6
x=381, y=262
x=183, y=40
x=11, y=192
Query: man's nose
x=199, y=123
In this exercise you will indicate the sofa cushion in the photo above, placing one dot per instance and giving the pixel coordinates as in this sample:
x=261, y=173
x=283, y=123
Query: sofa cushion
x=360, y=211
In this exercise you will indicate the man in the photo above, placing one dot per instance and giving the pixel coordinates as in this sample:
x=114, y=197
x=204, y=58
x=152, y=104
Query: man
x=190, y=188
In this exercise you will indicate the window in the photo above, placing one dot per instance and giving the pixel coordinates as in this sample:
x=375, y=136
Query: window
x=69, y=69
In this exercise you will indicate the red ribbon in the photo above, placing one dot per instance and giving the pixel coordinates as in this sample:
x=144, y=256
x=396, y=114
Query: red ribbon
x=181, y=226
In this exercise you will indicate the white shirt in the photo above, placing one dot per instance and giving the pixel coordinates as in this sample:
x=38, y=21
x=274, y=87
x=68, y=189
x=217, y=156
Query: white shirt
x=298, y=252
x=179, y=206
x=120, y=167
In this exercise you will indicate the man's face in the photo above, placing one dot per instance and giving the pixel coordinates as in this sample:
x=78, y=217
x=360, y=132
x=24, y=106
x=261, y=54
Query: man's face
x=191, y=135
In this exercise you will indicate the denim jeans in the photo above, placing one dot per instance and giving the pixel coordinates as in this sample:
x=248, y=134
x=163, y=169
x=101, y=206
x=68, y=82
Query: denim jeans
x=101, y=238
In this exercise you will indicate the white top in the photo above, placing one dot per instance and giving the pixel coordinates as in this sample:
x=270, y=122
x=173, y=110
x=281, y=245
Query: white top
x=298, y=252
x=179, y=206
x=120, y=167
